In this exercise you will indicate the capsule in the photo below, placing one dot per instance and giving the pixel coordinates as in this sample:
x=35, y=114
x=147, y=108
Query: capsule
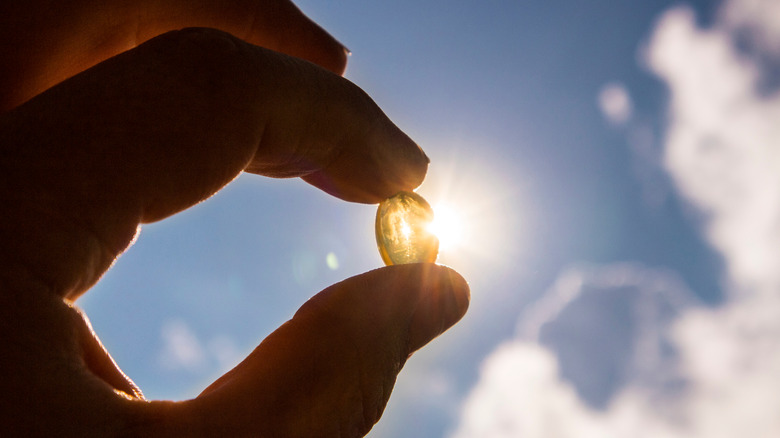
x=402, y=230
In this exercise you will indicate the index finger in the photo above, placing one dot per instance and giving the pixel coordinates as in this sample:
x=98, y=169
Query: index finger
x=159, y=128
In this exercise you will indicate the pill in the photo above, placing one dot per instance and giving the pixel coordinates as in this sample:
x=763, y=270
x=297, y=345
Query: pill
x=402, y=230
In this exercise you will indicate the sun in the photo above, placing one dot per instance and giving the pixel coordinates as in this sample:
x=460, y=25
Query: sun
x=448, y=226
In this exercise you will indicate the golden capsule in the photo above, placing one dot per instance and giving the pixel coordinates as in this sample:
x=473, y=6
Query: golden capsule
x=402, y=230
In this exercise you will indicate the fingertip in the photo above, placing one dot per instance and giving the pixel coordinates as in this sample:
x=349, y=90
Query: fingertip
x=403, y=161
x=461, y=291
x=304, y=38
x=325, y=51
x=375, y=166
x=445, y=300
x=454, y=292
x=339, y=58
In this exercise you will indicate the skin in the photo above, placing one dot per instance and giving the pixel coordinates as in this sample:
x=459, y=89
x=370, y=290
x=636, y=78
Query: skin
x=111, y=118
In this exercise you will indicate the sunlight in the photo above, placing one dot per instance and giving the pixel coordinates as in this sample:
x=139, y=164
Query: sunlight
x=406, y=230
x=476, y=214
x=448, y=226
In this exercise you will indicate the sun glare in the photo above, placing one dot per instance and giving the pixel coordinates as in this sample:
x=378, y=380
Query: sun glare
x=448, y=226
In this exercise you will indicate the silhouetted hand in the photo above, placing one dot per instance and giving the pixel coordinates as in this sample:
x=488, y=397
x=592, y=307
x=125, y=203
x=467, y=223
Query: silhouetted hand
x=91, y=150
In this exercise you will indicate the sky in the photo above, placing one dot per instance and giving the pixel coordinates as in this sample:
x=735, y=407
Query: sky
x=616, y=172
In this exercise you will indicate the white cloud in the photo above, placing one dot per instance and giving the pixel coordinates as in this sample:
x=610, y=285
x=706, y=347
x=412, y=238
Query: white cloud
x=598, y=342
x=609, y=327
x=519, y=394
x=733, y=357
x=722, y=144
x=722, y=150
x=615, y=103
x=759, y=19
x=683, y=370
x=183, y=350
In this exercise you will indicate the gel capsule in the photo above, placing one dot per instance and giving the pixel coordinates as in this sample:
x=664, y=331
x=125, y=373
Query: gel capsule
x=402, y=233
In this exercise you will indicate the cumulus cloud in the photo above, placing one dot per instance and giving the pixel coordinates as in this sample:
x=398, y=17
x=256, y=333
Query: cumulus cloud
x=732, y=355
x=615, y=103
x=688, y=371
x=722, y=144
x=609, y=326
x=497, y=408
x=600, y=337
x=670, y=368
x=759, y=20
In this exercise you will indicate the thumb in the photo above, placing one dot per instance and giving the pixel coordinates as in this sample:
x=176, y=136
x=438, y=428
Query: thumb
x=329, y=370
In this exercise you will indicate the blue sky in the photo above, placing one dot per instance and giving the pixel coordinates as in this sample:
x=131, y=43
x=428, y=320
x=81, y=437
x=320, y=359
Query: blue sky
x=613, y=163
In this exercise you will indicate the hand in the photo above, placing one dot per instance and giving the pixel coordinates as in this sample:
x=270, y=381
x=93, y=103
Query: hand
x=151, y=131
